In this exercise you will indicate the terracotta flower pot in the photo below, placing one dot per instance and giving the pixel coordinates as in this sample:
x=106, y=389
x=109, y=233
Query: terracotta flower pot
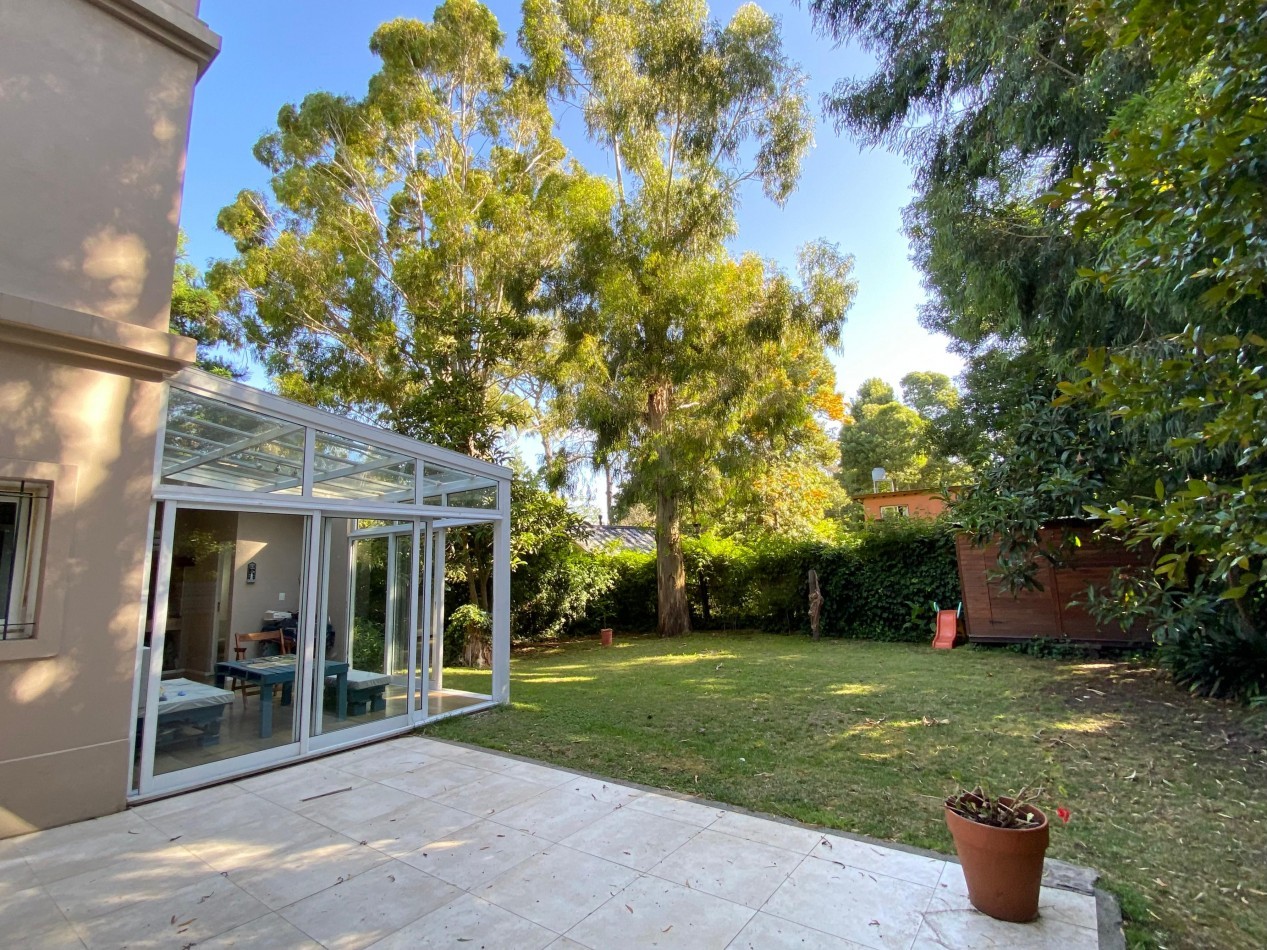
x=606, y=635
x=1003, y=866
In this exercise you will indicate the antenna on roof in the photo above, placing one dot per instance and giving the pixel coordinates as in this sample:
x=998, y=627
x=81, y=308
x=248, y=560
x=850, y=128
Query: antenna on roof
x=879, y=478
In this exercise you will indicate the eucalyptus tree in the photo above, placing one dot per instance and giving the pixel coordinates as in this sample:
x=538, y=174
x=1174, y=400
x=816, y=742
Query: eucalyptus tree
x=668, y=326
x=393, y=271
x=196, y=313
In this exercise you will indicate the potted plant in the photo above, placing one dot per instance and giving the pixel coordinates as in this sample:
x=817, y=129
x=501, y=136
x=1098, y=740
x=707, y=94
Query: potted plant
x=1001, y=841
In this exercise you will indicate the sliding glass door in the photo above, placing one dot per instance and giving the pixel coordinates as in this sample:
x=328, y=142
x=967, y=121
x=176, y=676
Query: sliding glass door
x=366, y=647
x=273, y=634
x=223, y=653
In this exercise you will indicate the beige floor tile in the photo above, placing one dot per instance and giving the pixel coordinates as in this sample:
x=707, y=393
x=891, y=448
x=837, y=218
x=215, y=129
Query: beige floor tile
x=860, y=906
x=916, y=868
x=344, y=811
x=601, y=791
x=269, y=932
x=772, y=933
x=15, y=873
x=554, y=814
x=133, y=879
x=763, y=830
x=204, y=799
x=436, y=778
x=30, y=912
x=306, y=868
x=972, y=930
x=252, y=844
x=655, y=913
x=558, y=888
x=632, y=838
x=745, y=872
x=369, y=907
x=60, y=937
x=219, y=818
x=541, y=774
x=301, y=785
x=468, y=922
x=468, y=756
x=73, y=849
x=474, y=855
x=666, y=806
x=487, y=796
x=410, y=826
x=180, y=918
x=1076, y=909
x=383, y=760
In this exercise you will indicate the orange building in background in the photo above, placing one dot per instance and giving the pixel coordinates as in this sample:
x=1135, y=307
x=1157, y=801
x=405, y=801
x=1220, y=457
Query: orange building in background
x=913, y=503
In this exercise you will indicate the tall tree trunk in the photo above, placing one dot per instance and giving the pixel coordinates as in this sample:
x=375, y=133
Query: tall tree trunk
x=607, y=474
x=673, y=612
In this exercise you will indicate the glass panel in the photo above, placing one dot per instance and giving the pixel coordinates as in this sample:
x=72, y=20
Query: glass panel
x=366, y=649
x=462, y=641
x=447, y=486
x=347, y=468
x=231, y=632
x=213, y=444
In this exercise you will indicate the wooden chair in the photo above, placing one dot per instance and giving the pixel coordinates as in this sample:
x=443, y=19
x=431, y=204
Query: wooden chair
x=240, y=641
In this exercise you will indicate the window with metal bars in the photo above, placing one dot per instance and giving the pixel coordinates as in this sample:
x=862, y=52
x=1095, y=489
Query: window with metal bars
x=23, y=506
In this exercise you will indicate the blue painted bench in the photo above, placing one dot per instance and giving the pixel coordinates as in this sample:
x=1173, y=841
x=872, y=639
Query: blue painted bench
x=366, y=691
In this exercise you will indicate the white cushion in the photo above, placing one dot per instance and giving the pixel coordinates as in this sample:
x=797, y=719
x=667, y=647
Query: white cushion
x=183, y=695
x=362, y=679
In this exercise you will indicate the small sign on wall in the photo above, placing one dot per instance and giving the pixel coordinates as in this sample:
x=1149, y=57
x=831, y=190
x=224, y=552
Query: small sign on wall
x=250, y=572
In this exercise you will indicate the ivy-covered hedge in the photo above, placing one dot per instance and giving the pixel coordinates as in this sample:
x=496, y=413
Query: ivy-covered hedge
x=879, y=584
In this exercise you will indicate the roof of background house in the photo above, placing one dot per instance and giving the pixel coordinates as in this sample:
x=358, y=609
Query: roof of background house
x=608, y=537
x=907, y=492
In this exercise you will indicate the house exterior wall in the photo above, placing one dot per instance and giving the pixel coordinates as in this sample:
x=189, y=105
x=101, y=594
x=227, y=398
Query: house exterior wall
x=919, y=504
x=94, y=102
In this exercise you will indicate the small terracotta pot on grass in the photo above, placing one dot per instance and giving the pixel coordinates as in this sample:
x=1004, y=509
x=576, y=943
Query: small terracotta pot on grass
x=606, y=635
x=1003, y=866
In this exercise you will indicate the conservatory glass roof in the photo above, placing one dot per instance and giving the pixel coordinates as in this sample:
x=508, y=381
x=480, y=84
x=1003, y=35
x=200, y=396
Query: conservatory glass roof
x=216, y=443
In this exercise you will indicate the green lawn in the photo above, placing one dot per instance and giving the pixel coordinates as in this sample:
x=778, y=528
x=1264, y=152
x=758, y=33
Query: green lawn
x=1167, y=792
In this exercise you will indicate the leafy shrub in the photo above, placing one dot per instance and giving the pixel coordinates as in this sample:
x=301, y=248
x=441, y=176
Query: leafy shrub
x=367, y=644
x=879, y=583
x=468, y=636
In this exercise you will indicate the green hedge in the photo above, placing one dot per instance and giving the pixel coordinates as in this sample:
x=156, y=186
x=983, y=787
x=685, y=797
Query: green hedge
x=878, y=584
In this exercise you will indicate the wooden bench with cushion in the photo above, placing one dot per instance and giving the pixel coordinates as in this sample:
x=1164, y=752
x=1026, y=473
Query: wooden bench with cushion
x=366, y=690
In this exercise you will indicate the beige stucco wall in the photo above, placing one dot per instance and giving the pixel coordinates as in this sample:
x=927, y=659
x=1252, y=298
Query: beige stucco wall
x=64, y=747
x=94, y=114
x=95, y=119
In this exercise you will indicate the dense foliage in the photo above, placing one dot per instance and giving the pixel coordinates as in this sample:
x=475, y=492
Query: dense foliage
x=879, y=583
x=696, y=367
x=393, y=271
x=1090, y=220
x=900, y=437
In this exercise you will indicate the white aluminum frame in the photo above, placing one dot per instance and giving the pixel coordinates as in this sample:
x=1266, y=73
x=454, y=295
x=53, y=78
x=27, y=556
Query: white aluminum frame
x=425, y=525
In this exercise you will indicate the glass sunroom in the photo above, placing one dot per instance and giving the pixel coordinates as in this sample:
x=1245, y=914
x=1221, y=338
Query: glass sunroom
x=296, y=585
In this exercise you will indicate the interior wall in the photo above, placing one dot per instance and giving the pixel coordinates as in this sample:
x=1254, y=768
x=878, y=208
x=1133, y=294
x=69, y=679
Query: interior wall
x=276, y=544
x=203, y=544
x=337, y=606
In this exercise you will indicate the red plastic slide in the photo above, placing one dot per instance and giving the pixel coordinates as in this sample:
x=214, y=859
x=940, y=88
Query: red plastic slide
x=947, y=629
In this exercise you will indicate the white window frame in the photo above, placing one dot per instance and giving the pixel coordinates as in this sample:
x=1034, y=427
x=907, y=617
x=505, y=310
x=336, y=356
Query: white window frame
x=894, y=511
x=27, y=568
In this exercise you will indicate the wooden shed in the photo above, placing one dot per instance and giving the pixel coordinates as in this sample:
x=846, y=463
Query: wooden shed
x=993, y=614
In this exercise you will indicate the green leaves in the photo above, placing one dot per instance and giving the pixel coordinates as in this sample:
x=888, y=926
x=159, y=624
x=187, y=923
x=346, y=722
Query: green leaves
x=397, y=270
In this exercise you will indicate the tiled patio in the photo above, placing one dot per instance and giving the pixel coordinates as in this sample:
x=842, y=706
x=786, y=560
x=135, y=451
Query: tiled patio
x=417, y=843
